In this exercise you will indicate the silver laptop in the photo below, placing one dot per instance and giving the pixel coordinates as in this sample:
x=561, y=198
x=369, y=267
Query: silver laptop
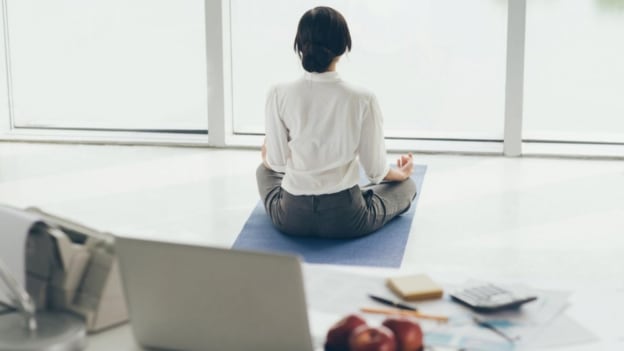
x=186, y=297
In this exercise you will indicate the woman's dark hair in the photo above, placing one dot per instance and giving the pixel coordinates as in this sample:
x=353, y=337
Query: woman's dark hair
x=322, y=35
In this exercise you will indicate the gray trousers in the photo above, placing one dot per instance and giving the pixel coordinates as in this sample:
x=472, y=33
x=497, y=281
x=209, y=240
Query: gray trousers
x=346, y=214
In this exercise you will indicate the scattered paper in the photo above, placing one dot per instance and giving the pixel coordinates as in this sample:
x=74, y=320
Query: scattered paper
x=332, y=294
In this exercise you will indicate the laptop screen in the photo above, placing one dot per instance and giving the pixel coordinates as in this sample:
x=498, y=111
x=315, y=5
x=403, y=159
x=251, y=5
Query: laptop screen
x=197, y=298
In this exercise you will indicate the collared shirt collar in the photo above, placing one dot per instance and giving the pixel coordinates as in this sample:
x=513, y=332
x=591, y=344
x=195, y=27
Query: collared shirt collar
x=322, y=77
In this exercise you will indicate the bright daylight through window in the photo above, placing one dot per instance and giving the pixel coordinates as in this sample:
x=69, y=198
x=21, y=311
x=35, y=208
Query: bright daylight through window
x=437, y=67
x=574, y=76
x=108, y=64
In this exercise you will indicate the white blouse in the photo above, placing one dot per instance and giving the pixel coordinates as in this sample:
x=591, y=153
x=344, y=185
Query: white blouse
x=317, y=127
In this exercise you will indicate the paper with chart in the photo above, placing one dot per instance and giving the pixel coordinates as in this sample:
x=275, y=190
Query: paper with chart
x=521, y=325
x=333, y=293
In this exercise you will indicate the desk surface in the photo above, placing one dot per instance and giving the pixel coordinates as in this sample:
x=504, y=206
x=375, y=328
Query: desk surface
x=604, y=323
x=118, y=338
x=121, y=339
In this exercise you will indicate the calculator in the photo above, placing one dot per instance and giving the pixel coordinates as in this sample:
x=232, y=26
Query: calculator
x=487, y=298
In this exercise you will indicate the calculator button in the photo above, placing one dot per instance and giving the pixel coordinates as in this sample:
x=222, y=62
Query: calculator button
x=501, y=299
x=490, y=298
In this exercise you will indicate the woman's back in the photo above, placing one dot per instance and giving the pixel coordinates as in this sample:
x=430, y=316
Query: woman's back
x=324, y=117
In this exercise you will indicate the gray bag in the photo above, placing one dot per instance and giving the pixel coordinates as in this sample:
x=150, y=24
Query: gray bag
x=73, y=268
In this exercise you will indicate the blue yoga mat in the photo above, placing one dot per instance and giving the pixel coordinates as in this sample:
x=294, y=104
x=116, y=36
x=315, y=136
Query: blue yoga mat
x=384, y=248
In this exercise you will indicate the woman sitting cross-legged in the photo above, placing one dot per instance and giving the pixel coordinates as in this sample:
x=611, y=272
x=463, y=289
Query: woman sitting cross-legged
x=319, y=130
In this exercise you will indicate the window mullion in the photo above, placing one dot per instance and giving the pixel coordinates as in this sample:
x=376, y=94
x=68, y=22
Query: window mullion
x=514, y=85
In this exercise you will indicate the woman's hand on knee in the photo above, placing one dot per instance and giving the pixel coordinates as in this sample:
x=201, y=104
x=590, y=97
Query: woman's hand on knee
x=405, y=168
x=405, y=164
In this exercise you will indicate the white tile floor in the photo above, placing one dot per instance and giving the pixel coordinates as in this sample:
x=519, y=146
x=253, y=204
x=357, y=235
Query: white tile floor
x=556, y=223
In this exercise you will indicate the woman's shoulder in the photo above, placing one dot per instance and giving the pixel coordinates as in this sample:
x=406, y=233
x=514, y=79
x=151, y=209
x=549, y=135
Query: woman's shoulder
x=357, y=90
x=281, y=87
x=345, y=88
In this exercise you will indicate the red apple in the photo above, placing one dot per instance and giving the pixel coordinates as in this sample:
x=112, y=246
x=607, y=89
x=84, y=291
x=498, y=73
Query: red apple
x=338, y=334
x=365, y=338
x=408, y=333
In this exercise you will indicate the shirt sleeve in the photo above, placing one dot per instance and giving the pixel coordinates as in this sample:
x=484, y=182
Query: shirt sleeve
x=276, y=135
x=372, y=147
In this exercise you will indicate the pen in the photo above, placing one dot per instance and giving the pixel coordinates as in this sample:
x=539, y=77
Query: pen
x=392, y=303
x=396, y=311
x=485, y=324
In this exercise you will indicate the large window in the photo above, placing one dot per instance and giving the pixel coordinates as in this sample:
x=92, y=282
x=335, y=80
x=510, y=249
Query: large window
x=108, y=64
x=437, y=66
x=491, y=76
x=574, y=77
